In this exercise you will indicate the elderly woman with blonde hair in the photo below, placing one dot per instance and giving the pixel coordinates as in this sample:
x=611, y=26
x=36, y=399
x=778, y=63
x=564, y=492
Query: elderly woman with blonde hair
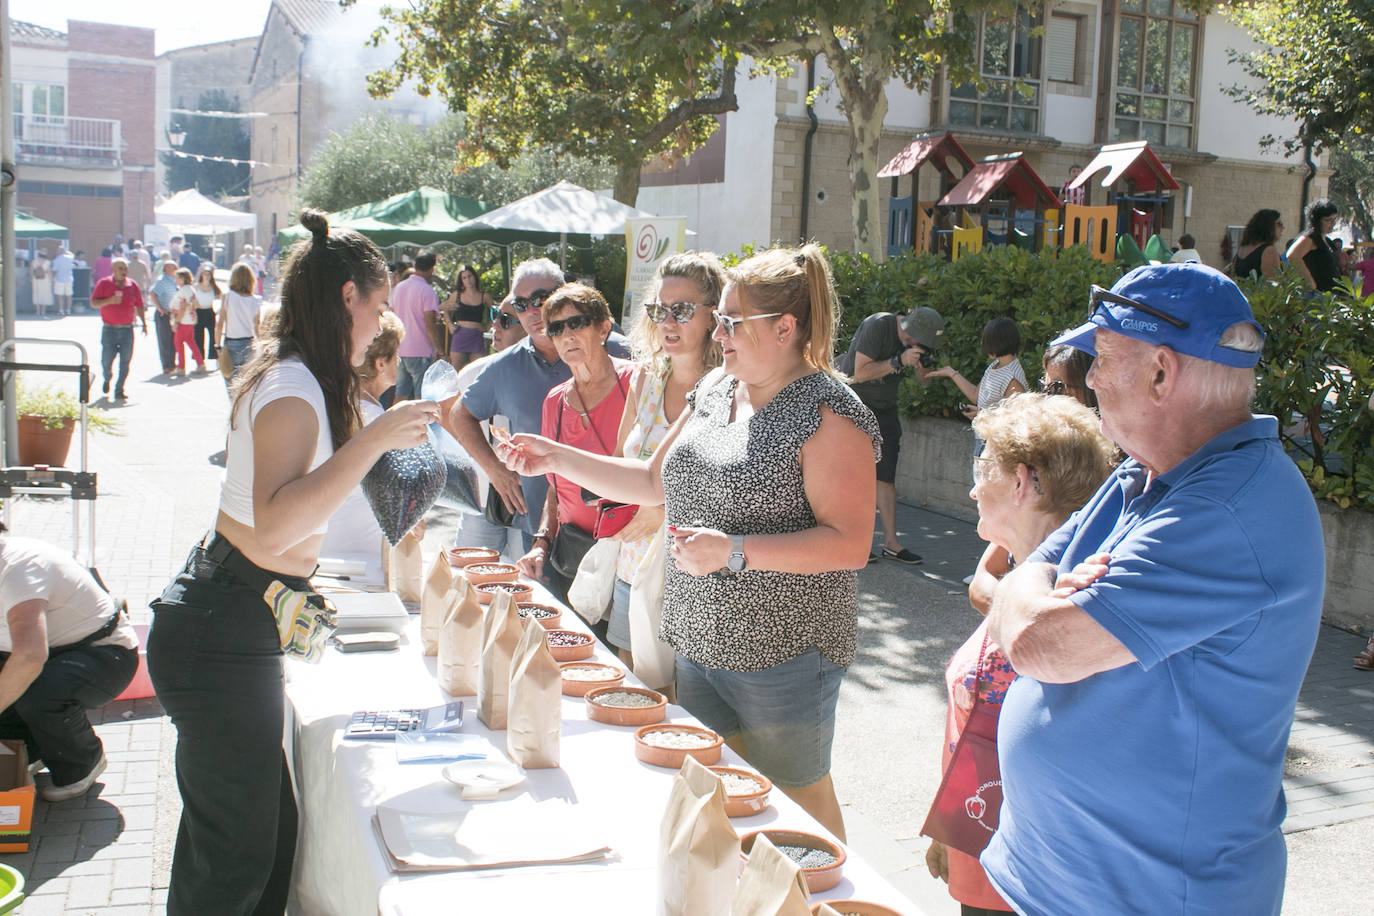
x=1045, y=456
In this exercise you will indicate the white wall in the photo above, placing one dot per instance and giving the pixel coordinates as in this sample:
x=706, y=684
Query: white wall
x=1228, y=127
x=907, y=109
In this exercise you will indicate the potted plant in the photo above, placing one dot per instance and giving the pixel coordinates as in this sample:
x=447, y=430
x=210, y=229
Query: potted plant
x=47, y=419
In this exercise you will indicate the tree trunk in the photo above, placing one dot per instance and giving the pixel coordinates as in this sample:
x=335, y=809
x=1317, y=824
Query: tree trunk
x=866, y=116
x=627, y=182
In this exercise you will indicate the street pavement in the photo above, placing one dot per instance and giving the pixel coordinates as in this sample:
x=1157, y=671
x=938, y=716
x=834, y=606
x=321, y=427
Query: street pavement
x=110, y=851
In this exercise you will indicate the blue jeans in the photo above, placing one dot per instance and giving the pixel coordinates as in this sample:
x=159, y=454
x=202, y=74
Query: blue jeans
x=618, y=628
x=785, y=713
x=240, y=351
x=410, y=371
x=476, y=531
x=116, y=340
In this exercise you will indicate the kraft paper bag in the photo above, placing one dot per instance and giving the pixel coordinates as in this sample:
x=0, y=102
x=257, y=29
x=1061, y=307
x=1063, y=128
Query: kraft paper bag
x=698, y=850
x=500, y=634
x=460, y=642
x=434, y=600
x=534, y=720
x=771, y=885
x=406, y=569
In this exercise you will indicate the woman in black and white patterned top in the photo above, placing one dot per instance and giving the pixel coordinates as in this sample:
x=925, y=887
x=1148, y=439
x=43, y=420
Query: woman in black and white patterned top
x=768, y=483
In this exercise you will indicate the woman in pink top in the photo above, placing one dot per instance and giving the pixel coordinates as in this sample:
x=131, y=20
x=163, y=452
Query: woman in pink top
x=1044, y=456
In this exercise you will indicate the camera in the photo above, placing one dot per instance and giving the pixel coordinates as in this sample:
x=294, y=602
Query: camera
x=927, y=360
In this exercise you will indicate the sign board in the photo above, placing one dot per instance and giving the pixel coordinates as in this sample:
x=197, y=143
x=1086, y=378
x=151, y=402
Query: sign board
x=647, y=241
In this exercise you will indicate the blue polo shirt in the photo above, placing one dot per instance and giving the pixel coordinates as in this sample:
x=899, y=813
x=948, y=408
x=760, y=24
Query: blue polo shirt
x=514, y=385
x=1157, y=787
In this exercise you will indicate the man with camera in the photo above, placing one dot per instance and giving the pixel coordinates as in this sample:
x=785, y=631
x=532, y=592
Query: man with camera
x=884, y=346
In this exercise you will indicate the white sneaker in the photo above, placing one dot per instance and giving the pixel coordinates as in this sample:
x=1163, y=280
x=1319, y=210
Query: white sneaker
x=78, y=788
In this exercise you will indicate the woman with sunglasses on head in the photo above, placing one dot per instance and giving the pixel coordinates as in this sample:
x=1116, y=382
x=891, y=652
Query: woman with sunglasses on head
x=296, y=450
x=768, y=479
x=675, y=347
x=1312, y=254
x=465, y=315
x=584, y=413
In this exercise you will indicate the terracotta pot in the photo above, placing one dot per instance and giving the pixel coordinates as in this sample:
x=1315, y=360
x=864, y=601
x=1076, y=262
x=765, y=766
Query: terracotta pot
x=584, y=647
x=745, y=804
x=598, y=711
x=40, y=445
x=576, y=686
x=856, y=907
x=817, y=879
x=549, y=621
x=488, y=590
x=459, y=557
x=672, y=757
x=484, y=573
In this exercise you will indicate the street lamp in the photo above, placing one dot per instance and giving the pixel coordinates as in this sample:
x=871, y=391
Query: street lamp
x=176, y=135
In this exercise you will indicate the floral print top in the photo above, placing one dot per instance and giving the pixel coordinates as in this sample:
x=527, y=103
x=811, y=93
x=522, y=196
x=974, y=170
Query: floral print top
x=646, y=434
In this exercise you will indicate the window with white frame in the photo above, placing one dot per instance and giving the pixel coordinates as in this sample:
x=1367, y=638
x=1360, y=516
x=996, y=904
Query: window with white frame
x=1009, y=52
x=41, y=101
x=1156, y=73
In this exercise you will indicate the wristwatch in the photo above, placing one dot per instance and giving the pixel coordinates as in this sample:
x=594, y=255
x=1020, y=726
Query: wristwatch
x=736, y=562
x=896, y=363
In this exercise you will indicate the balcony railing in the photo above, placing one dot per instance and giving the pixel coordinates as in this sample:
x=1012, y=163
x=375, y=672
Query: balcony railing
x=57, y=140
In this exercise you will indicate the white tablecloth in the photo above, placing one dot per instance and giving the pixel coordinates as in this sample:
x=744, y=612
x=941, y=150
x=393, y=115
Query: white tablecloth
x=341, y=869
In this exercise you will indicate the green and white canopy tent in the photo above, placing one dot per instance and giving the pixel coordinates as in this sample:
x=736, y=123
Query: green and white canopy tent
x=33, y=227
x=425, y=216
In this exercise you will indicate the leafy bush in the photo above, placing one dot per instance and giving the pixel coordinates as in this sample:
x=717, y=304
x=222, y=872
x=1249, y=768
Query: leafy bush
x=56, y=407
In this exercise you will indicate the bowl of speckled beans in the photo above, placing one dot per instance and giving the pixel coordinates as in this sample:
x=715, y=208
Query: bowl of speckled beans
x=669, y=744
x=855, y=908
x=549, y=617
x=626, y=705
x=518, y=591
x=569, y=645
x=485, y=573
x=821, y=860
x=579, y=677
x=462, y=557
x=746, y=792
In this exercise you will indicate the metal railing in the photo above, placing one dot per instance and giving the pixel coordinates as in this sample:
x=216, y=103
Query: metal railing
x=53, y=137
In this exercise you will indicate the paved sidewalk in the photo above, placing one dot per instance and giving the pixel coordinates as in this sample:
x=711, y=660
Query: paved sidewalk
x=110, y=852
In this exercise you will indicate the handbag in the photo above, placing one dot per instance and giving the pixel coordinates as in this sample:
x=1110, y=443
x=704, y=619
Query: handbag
x=225, y=362
x=495, y=510
x=611, y=517
x=965, y=812
x=570, y=545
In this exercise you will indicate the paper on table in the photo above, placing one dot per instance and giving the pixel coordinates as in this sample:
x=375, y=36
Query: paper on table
x=476, y=836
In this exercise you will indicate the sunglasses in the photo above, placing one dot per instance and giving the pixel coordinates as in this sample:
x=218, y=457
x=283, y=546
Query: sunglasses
x=731, y=323
x=1100, y=295
x=658, y=312
x=504, y=319
x=575, y=323
x=533, y=301
x=1054, y=387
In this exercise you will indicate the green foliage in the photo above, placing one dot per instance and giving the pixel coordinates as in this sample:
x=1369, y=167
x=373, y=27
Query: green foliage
x=223, y=137
x=57, y=406
x=1352, y=184
x=1045, y=292
x=378, y=156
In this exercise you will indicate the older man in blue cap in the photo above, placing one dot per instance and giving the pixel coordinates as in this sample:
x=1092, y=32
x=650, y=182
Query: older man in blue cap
x=1161, y=634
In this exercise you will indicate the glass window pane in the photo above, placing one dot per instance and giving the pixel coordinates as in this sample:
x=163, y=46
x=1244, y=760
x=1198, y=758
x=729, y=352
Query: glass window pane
x=1023, y=120
x=963, y=113
x=1152, y=132
x=1127, y=130
x=996, y=91
x=1179, y=136
x=1152, y=108
x=1181, y=63
x=1160, y=7
x=18, y=95
x=992, y=116
x=1127, y=104
x=1128, y=54
x=1156, y=56
x=966, y=91
x=40, y=100
x=1027, y=45
x=1133, y=5
x=1181, y=111
x=57, y=102
x=997, y=48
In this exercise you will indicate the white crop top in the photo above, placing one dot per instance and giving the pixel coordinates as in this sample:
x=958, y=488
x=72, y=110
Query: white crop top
x=287, y=379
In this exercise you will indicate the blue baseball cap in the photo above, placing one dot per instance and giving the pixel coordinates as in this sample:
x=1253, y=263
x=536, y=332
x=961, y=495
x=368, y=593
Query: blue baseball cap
x=1186, y=307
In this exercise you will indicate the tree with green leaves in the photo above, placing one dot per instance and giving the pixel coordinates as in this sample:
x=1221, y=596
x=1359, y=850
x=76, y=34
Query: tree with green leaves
x=379, y=155
x=206, y=135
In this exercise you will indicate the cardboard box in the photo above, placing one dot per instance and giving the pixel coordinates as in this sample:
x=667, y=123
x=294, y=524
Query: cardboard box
x=16, y=797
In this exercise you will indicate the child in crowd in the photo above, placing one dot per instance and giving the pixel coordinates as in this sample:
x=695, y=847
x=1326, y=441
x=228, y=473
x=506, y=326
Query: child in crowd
x=1004, y=375
x=184, y=321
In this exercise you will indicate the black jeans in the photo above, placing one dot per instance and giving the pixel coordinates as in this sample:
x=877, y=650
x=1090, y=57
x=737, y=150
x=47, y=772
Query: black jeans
x=205, y=332
x=51, y=714
x=215, y=661
x=165, y=352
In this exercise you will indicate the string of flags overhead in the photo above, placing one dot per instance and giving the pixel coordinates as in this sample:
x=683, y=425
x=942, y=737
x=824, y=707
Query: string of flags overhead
x=206, y=157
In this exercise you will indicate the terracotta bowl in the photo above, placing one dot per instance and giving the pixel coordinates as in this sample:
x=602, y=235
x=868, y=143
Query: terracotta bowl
x=817, y=879
x=741, y=803
x=579, y=645
x=483, y=573
x=549, y=621
x=856, y=908
x=576, y=684
x=489, y=590
x=672, y=757
x=598, y=711
x=459, y=557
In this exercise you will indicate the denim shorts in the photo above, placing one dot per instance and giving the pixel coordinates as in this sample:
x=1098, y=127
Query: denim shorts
x=786, y=713
x=618, y=629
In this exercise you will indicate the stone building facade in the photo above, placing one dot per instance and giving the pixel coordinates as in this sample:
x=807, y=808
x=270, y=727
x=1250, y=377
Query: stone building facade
x=185, y=75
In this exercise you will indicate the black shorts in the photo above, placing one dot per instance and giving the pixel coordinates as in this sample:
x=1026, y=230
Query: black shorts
x=890, y=425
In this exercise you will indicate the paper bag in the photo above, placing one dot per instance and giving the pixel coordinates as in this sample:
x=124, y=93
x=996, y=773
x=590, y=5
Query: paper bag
x=405, y=569
x=434, y=603
x=771, y=885
x=698, y=850
x=534, y=718
x=591, y=589
x=654, y=659
x=460, y=642
x=500, y=634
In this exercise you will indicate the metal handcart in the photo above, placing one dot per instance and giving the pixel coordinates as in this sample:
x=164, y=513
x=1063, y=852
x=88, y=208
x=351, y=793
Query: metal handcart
x=78, y=485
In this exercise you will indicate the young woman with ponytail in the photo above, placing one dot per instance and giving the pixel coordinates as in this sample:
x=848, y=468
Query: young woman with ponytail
x=296, y=450
x=768, y=484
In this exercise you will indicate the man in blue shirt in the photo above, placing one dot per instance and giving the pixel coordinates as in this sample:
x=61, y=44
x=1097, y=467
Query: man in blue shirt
x=514, y=384
x=164, y=288
x=190, y=260
x=1163, y=632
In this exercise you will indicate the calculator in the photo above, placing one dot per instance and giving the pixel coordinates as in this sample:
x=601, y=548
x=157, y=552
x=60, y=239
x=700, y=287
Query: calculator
x=386, y=724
